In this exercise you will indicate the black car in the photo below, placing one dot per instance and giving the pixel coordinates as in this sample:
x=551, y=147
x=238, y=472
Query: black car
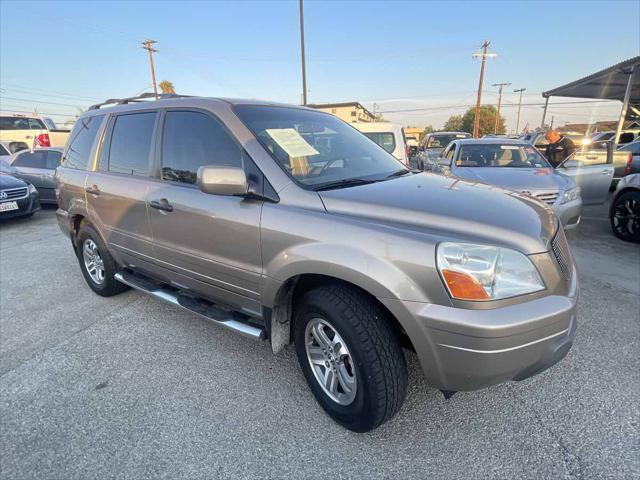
x=17, y=197
x=624, y=212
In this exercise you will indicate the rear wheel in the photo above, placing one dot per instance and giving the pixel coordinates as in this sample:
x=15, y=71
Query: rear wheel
x=96, y=263
x=625, y=217
x=350, y=356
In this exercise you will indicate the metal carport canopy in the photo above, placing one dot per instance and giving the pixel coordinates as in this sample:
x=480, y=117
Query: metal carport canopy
x=607, y=84
x=618, y=82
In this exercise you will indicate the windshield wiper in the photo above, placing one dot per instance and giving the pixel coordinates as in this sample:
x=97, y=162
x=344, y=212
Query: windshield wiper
x=399, y=173
x=347, y=182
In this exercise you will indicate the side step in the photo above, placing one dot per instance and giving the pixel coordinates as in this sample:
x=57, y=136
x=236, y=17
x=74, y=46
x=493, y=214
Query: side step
x=195, y=305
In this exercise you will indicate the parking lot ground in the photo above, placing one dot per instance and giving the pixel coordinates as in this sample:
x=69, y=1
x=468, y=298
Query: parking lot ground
x=128, y=387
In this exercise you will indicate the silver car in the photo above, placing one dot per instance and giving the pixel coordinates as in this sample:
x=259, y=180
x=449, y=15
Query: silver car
x=518, y=166
x=37, y=167
x=285, y=223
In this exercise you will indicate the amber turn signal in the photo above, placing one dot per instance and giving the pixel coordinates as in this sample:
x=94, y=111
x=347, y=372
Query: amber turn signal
x=463, y=286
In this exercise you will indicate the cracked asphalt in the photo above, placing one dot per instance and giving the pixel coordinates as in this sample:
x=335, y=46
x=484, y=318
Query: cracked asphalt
x=128, y=387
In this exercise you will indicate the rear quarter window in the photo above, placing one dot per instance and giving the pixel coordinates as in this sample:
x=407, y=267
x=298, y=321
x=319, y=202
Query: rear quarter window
x=81, y=142
x=385, y=139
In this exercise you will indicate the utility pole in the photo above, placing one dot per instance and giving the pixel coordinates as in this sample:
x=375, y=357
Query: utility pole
x=148, y=46
x=500, y=85
x=304, y=68
x=483, y=55
x=552, y=117
x=520, y=90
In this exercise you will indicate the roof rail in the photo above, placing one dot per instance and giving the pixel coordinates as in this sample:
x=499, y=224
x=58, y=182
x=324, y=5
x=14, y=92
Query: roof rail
x=139, y=98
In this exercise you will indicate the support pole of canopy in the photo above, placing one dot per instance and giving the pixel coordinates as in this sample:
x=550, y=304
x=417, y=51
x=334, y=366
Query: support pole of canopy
x=625, y=103
x=544, y=112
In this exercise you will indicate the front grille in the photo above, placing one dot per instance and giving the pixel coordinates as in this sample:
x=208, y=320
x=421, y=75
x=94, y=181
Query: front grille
x=13, y=193
x=547, y=197
x=560, y=249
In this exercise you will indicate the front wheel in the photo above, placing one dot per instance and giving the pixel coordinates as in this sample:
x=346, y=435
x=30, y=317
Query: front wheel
x=350, y=356
x=625, y=217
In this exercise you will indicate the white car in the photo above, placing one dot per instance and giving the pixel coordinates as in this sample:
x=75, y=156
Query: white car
x=389, y=136
x=32, y=130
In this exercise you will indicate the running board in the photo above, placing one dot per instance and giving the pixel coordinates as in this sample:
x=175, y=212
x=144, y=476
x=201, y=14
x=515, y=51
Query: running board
x=199, y=307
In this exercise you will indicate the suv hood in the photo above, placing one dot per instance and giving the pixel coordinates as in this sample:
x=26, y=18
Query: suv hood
x=518, y=179
x=453, y=209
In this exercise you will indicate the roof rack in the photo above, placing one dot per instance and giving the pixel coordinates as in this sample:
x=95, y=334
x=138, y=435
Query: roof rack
x=139, y=98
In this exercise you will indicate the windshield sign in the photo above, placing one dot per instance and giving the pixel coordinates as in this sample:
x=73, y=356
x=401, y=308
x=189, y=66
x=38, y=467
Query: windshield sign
x=316, y=149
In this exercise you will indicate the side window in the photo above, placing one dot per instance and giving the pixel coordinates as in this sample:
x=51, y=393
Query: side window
x=80, y=142
x=191, y=140
x=131, y=143
x=37, y=159
x=35, y=124
x=53, y=159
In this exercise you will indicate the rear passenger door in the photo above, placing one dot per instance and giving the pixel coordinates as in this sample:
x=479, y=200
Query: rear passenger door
x=116, y=190
x=208, y=243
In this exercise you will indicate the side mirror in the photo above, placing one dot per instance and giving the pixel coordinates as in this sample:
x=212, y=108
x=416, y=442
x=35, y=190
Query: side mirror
x=443, y=162
x=216, y=180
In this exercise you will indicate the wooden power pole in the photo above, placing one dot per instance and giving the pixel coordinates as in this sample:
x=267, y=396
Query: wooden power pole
x=304, y=67
x=500, y=85
x=148, y=46
x=520, y=90
x=483, y=56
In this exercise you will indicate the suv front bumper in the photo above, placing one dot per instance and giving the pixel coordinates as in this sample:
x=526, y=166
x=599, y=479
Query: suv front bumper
x=464, y=349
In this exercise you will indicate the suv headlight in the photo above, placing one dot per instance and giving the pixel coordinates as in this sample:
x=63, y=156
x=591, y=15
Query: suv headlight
x=482, y=272
x=570, y=195
x=32, y=189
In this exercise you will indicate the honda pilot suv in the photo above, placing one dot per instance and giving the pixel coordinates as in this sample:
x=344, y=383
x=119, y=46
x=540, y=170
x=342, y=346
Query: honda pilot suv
x=286, y=224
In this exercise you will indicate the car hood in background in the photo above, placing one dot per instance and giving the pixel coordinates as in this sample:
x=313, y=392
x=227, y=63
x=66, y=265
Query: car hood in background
x=450, y=208
x=7, y=181
x=518, y=179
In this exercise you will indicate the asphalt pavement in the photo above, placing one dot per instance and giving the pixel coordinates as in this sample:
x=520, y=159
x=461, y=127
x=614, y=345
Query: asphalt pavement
x=128, y=387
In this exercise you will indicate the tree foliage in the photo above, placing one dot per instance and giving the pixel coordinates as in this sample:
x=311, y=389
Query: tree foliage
x=454, y=124
x=488, y=115
x=167, y=86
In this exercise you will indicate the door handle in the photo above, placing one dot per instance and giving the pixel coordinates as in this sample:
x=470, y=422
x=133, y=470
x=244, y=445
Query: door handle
x=605, y=172
x=162, y=204
x=93, y=190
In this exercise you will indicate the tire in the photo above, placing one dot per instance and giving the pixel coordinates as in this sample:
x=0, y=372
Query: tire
x=625, y=217
x=109, y=286
x=374, y=357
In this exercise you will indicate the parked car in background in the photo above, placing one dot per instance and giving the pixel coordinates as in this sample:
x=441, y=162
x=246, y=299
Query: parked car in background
x=37, y=167
x=5, y=161
x=516, y=166
x=413, y=144
x=627, y=136
x=285, y=223
x=14, y=147
x=633, y=162
x=389, y=136
x=30, y=129
x=624, y=212
x=17, y=197
x=434, y=143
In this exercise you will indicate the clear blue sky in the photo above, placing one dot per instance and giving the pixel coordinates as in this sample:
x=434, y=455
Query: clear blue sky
x=402, y=55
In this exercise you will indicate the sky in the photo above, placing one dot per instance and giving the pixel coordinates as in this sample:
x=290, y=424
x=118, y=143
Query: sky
x=58, y=57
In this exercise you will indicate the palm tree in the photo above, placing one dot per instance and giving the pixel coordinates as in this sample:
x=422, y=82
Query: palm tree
x=167, y=87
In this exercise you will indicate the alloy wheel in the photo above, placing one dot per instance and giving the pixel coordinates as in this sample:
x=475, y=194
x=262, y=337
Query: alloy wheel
x=93, y=261
x=331, y=361
x=626, y=216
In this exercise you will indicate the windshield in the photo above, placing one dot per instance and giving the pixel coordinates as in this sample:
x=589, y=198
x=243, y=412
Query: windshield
x=441, y=141
x=316, y=148
x=496, y=155
x=631, y=147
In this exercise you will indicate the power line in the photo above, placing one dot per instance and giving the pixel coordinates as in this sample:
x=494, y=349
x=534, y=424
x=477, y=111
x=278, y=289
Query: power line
x=39, y=101
x=504, y=105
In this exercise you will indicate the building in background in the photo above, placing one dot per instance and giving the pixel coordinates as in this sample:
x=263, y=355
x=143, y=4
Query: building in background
x=350, y=112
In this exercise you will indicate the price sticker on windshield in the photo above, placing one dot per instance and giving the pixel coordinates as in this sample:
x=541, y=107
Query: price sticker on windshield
x=292, y=142
x=509, y=147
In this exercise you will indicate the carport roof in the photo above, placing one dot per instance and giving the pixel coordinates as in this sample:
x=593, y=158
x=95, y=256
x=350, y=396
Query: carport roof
x=607, y=84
